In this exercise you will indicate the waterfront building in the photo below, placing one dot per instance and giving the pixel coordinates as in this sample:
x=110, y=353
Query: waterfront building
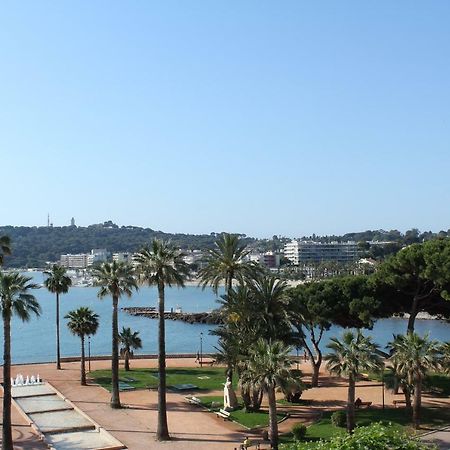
x=268, y=259
x=126, y=257
x=315, y=252
x=78, y=261
x=97, y=255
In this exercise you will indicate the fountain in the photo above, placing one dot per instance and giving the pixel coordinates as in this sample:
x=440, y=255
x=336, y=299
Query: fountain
x=28, y=381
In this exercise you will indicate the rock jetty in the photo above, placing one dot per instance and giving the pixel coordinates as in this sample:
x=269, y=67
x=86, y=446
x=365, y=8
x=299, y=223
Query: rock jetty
x=211, y=318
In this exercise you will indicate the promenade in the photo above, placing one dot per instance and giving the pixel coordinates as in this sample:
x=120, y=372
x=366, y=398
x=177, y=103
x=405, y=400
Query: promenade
x=134, y=425
x=190, y=426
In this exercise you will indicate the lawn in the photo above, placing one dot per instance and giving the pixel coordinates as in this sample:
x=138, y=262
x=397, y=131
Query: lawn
x=211, y=378
x=248, y=420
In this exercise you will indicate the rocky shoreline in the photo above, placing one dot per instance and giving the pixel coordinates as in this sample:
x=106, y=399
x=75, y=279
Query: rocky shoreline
x=210, y=318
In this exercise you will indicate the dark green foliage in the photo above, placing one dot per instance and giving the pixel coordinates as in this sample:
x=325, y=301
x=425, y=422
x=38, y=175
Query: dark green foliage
x=299, y=431
x=339, y=419
x=34, y=246
x=373, y=437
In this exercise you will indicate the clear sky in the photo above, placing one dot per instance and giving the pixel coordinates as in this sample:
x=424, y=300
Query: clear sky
x=260, y=117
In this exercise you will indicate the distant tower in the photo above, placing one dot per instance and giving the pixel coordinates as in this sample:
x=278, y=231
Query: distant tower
x=48, y=220
x=72, y=222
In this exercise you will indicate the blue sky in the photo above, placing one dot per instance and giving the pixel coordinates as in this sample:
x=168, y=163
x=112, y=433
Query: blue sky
x=257, y=117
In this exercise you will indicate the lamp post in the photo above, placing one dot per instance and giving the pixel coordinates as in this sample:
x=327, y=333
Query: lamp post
x=297, y=358
x=89, y=353
x=201, y=349
x=382, y=385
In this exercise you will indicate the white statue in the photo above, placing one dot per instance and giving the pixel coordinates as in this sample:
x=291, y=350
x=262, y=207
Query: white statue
x=229, y=397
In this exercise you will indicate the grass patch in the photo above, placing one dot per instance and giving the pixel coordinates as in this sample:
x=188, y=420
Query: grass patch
x=209, y=401
x=247, y=419
x=211, y=378
x=254, y=419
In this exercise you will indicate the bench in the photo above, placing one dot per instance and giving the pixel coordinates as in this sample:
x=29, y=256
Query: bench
x=206, y=363
x=399, y=402
x=194, y=401
x=363, y=405
x=224, y=414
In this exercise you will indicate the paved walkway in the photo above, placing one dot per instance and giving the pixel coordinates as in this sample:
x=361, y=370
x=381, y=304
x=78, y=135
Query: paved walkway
x=441, y=438
x=135, y=426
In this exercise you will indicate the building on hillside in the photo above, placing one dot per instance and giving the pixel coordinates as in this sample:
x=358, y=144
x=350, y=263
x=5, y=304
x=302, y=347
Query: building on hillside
x=292, y=251
x=97, y=255
x=315, y=252
x=125, y=257
x=268, y=259
x=78, y=261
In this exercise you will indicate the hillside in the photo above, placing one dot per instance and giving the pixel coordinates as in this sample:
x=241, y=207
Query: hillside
x=34, y=246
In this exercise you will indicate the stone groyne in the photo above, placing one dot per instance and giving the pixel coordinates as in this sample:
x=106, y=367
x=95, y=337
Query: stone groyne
x=210, y=318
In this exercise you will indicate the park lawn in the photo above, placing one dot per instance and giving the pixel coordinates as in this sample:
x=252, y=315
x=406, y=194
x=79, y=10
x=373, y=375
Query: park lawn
x=248, y=420
x=254, y=419
x=211, y=378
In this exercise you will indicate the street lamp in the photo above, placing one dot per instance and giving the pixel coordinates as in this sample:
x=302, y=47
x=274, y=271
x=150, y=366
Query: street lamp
x=297, y=358
x=201, y=349
x=89, y=353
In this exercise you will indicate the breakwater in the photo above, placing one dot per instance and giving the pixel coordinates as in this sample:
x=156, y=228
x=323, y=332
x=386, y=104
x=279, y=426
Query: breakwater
x=209, y=318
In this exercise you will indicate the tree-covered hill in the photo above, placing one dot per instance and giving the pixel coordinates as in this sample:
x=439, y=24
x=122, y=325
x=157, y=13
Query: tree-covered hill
x=34, y=246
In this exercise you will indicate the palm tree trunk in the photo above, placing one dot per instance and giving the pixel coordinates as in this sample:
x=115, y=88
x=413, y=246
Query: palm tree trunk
x=58, y=353
x=351, y=404
x=413, y=314
x=417, y=403
x=115, y=398
x=162, y=432
x=273, y=418
x=7, y=442
x=82, y=363
x=127, y=360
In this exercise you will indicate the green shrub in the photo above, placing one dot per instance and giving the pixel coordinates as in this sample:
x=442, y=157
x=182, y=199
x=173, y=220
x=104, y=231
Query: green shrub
x=339, y=419
x=299, y=431
x=373, y=437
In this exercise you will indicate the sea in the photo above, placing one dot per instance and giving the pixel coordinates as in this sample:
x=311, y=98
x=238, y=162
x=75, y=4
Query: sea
x=34, y=341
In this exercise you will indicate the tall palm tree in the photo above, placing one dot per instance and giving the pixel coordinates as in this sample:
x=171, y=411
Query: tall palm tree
x=161, y=264
x=5, y=247
x=82, y=322
x=15, y=299
x=352, y=354
x=58, y=283
x=115, y=279
x=268, y=368
x=413, y=357
x=226, y=262
x=129, y=341
x=271, y=303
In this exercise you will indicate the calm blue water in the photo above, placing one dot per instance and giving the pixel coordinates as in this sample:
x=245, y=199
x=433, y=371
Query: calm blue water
x=35, y=341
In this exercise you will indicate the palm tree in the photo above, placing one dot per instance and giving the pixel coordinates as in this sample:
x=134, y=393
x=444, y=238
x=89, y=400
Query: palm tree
x=351, y=355
x=82, y=322
x=445, y=356
x=161, y=264
x=226, y=262
x=268, y=368
x=413, y=357
x=15, y=299
x=58, y=283
x=130, y=341
x=115, y=279
x=5, y=247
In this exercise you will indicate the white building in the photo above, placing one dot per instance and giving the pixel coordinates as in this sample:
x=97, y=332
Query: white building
x=123, y=257
x=78, y=261
x=97, y=255
x=316, y=252
x=291, y=251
